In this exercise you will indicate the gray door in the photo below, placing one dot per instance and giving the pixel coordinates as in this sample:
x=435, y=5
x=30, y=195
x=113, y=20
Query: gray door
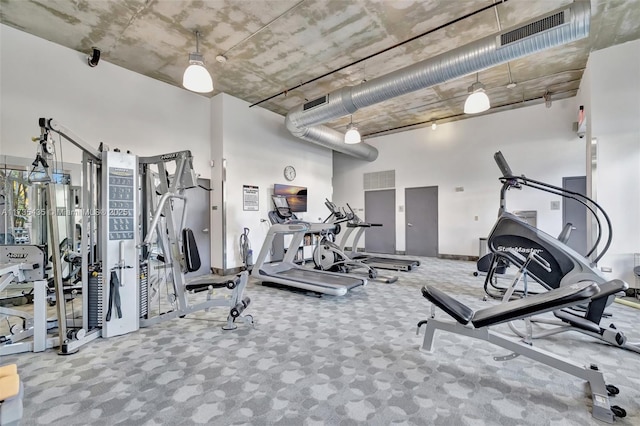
x=421, y=213
x=380, y=207
x=575, y=213
x=198, y=216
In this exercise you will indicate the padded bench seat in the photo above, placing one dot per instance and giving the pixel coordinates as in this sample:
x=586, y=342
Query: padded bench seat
x=203, y=284
x=513, y=310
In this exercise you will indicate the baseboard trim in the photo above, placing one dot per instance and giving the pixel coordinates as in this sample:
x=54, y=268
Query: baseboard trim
x=440, y=256
x=458, y=257
x=361, y=250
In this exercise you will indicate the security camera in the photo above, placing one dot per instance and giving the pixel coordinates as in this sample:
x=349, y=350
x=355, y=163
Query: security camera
x=94, y=58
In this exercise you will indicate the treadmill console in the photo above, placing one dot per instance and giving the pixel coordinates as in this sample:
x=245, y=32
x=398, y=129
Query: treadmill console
x=283, y=212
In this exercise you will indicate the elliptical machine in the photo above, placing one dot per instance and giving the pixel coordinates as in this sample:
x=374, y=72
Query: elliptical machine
x=551, y=263
x=328, y=256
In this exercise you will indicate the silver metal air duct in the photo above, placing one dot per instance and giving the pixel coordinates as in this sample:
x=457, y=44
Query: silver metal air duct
x=556, y=28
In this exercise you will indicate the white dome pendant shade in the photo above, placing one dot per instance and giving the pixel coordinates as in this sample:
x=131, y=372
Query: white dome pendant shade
x=352, y=136
x=196, y=77
x=477, y=101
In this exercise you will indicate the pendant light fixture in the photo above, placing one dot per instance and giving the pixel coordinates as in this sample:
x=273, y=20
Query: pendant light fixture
x=196, y=77
x=547, y=99
x=353, y=135
x=478, y=101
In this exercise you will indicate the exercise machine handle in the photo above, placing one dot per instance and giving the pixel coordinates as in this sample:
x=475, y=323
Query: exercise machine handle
x=503, y=165
x=517, y=255
x=541, y=261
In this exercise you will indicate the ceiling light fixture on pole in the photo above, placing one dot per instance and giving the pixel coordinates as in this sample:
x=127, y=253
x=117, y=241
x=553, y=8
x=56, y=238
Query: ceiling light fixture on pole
x=478, y=101
x=353, y=135
x=547, y=99
x=196, y=77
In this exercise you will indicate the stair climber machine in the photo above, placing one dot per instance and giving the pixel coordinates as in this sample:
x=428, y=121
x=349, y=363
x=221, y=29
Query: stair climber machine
x=483, y=265
x=327, y=255
x=286, y=273
x=169, y=249
x=375, y=260
x=553, y=264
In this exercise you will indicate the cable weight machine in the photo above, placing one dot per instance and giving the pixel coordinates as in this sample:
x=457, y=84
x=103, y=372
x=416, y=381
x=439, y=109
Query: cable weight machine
x=113, y=284
x=172, y=244
x=109, y=283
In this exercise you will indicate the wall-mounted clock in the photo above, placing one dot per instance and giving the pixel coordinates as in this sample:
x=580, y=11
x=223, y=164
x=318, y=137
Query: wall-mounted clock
x=289, y=173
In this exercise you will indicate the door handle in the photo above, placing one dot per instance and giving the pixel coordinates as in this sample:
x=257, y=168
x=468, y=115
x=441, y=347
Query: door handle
x=409, y=224
x=205, y=230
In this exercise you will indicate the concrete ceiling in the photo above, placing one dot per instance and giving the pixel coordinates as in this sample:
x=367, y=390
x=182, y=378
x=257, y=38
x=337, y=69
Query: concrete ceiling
x=274, y=47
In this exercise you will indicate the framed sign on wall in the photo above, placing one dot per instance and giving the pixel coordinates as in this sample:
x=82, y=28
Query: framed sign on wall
x=250, y=198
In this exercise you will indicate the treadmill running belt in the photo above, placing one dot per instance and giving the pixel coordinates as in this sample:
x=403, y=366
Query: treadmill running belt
x=321, y=279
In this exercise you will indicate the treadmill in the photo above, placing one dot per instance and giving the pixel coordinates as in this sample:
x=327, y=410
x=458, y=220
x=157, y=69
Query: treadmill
x=288, y=273
x=376, y=261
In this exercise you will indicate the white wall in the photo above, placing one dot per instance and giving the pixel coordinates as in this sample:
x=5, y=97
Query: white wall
x=124, y=109
x=536, y=141
x=127, y=110
x=103, y=104
x=614, y=90
x=257, y=147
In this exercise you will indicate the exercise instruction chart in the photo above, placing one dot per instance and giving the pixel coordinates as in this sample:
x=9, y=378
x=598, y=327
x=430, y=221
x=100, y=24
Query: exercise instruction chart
x=121, y=202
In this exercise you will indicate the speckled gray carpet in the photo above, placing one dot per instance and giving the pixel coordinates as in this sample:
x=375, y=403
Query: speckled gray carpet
x=334, y=360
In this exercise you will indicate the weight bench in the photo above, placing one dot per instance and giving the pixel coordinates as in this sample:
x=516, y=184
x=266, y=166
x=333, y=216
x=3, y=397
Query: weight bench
x=476, y=324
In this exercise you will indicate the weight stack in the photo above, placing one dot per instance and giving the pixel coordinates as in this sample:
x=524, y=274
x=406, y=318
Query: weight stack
x=143, y=286
x=95, y=298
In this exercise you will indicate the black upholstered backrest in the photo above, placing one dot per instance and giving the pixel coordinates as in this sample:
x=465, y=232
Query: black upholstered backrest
x=508, y=311
x=537, y=304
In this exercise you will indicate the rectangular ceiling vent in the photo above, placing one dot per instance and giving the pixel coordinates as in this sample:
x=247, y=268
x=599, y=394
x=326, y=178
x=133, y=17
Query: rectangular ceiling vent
x=314, y=103
x=536, y=27
x=380, y=180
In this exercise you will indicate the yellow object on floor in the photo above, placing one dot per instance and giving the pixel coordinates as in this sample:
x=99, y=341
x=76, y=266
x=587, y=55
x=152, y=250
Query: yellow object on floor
x=9, y=381
x=628, y=303
x=10, y=396
x=9, y=386
x=7, y=370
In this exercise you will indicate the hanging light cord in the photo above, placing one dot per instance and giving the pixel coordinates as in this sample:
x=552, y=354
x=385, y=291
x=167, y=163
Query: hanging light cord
x=500, y=30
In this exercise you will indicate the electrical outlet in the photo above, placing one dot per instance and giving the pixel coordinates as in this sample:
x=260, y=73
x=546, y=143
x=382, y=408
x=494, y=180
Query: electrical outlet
x=555, y=205
x=606, y=269
x=475, y=218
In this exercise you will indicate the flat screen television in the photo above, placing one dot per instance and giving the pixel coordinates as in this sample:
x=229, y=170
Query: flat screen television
x=296, y=196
